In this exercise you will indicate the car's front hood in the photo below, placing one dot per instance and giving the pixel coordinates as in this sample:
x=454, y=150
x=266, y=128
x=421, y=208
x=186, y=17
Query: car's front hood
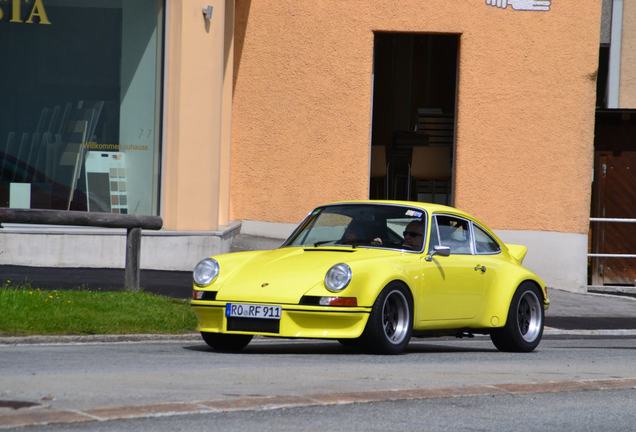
x=284, y=275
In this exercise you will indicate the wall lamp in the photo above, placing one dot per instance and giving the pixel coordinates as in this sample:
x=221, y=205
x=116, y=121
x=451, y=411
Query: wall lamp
x=207, y=12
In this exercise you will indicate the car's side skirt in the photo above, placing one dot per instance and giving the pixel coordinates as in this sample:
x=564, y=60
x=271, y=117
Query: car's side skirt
x=458, y=333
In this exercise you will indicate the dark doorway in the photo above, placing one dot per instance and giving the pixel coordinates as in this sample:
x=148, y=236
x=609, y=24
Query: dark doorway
x=413, y=132
x=614, y=196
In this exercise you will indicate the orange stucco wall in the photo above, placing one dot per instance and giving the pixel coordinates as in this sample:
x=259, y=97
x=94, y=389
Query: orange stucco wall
x=301, y=116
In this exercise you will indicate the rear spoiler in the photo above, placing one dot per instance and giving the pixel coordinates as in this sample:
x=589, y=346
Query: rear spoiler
x=516, y=251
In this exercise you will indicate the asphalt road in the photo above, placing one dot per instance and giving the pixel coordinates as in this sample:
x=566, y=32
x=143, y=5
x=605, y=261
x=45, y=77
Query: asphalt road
x=96, y=376
x=583, y=411
x=83, y=376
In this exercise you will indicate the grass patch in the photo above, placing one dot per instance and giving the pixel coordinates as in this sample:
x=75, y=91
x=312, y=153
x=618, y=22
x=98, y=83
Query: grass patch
x=29, y=311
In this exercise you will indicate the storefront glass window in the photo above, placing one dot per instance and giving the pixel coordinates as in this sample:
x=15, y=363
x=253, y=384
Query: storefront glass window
x=80, y=103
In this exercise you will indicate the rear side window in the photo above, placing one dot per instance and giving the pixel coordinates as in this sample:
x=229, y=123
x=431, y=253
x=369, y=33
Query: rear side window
x=484, y=243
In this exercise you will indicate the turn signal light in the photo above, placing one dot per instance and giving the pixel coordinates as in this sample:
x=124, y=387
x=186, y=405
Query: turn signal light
x=203, y=295
x=338, y=301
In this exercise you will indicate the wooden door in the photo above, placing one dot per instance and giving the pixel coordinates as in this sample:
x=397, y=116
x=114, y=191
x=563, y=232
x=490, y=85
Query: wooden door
x=614, y=196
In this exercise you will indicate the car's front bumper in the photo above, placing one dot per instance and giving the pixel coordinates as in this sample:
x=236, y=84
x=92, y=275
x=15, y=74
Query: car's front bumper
x=325, y=322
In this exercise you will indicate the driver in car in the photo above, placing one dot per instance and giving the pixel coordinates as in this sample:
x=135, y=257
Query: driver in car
x=413, y=236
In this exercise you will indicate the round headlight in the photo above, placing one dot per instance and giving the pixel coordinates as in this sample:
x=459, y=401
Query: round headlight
x=205, y=271
x=338, y=277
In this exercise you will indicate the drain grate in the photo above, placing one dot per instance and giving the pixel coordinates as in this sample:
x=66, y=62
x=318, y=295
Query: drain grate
x=16, y=404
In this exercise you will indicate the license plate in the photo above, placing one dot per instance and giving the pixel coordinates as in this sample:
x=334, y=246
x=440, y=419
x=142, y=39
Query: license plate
x=242, y=310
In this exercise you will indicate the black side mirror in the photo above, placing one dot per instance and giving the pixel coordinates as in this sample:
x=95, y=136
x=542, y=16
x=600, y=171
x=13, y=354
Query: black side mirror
x=438, y=250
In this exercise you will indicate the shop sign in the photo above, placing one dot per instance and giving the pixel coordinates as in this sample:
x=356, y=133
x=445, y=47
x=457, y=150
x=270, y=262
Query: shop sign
x=23, y=12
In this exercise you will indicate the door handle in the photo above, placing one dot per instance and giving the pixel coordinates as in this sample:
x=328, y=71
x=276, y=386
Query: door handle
x=481, y=268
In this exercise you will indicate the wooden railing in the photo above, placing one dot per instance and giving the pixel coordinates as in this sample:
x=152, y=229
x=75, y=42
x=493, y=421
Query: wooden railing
x=132, y=223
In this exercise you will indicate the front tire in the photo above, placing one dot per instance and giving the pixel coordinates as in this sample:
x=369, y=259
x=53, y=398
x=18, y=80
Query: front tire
x=524, y=326
x=226, y=342
x=390, y=323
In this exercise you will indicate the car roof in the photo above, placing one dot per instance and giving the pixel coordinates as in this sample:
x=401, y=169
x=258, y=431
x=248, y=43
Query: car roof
x=430, y=207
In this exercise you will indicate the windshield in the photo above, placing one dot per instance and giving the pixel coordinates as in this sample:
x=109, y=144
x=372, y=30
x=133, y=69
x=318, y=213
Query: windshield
x=362, y=225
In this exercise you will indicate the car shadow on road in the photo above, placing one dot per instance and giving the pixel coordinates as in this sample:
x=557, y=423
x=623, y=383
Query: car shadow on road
x=322, y=348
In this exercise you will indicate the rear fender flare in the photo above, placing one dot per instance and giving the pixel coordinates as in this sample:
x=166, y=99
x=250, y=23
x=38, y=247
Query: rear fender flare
x=502, y=313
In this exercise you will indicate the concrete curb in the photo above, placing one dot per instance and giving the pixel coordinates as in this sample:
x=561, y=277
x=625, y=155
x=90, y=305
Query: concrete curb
x=74, y=339
x=195, y=337
x=45, y=416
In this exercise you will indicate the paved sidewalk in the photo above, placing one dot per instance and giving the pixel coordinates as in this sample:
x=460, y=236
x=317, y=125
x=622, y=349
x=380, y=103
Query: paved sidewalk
x=590, y=311
x=176, y=284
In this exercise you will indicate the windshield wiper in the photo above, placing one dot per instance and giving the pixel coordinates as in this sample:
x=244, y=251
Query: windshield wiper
x=322, y=242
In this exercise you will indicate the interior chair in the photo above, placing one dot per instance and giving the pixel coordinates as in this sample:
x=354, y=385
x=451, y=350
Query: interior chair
x=379, y=166
x=430, y=163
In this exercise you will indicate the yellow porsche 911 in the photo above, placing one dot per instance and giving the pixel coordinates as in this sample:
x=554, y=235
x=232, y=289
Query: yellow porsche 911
x=374, y=274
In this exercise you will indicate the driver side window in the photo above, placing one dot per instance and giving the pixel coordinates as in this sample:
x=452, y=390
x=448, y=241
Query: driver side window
x=454, y=233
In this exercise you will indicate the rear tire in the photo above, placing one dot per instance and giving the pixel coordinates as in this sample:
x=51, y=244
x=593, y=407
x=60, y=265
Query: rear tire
x=226, y=342
x=390, y=323
x=524, y=325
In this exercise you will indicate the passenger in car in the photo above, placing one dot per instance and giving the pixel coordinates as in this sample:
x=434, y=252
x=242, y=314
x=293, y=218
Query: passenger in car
x=354, y=233
x=360, y=233
x=460, y=242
